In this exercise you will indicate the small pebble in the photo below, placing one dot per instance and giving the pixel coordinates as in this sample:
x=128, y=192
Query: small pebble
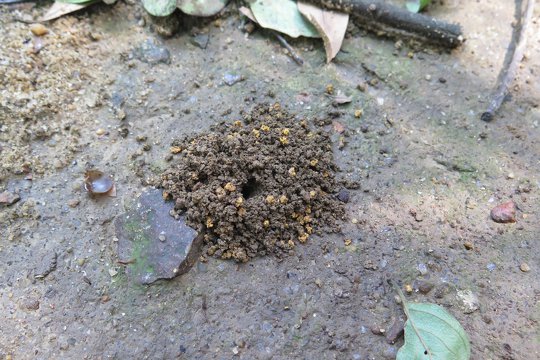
x=395, y=331
x=442, y=80
x=31, y=304
x=231, y=79
x=329, y=89
x=504, y=213
x=525, y=267
x=73, y=203
x=8, y=198
x=468, y=245
x=100, y=131
x=377, y=330
x=424, y=286
x=510, y=176
x=422, y=268
x=344, y=195
x=362, y=87
x=428, y=77
x=38, y=29
x=249, y=27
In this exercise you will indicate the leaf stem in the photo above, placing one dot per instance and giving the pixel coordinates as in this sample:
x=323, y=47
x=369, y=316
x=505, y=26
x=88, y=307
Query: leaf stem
x=409, y=318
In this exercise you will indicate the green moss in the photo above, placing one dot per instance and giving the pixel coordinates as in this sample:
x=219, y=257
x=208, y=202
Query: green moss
x=141, y=242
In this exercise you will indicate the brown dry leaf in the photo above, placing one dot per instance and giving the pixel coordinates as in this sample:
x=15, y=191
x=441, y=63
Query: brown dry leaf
x=248, y=13
x=59, y=8
x=331, y=25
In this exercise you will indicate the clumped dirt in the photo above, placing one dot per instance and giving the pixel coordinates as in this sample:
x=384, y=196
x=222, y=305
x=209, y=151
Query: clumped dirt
x=256, y=187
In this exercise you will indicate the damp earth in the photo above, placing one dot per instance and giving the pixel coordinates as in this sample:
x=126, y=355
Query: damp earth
x=256, y=186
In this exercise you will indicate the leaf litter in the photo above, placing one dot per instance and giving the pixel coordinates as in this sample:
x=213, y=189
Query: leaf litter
x=331, y=25
x=431, y=332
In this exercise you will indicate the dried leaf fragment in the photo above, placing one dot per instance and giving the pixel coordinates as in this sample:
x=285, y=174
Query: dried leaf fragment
x=282, y=16
x=60, y=8
x=331, y=25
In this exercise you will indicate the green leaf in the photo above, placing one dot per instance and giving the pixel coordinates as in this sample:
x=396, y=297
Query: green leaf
x=431, y=333
x=202, y=7
x=417, y=5
x=81, y=2
x=283, y=16
x=159, y=7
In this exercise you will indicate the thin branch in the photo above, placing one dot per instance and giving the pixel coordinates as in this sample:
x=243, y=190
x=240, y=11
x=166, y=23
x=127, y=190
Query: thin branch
x=510, y=72
x=286, y=45
x=377, y=15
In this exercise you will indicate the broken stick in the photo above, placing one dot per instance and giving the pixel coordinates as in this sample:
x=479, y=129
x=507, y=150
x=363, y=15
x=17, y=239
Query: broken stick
x=289, y=48
x=376, y=15
x=508, y=74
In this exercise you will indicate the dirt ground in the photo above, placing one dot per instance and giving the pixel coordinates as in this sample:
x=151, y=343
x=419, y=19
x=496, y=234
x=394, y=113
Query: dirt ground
x=89, y=93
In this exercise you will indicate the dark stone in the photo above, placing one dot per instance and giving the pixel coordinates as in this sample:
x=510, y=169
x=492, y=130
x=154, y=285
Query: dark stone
x=423, y=286
x=152, y=244
x=31, y=304
x=395, y=331
x=344, y=195
x=8, y=198
x=152, y=52
x=200, y=40
x=377, y=330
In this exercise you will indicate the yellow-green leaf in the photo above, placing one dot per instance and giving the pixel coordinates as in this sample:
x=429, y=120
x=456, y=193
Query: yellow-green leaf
x=202, y=7
x=431, y=333
x=283, y=16
x=159, y=7
x=417, y=5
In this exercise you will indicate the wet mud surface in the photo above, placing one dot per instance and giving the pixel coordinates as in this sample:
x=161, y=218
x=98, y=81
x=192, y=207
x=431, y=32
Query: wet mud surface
x=255, y=187
x=429, y=174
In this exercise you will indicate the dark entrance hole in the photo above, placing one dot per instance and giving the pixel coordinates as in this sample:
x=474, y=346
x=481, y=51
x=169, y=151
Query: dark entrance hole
x=250, y=188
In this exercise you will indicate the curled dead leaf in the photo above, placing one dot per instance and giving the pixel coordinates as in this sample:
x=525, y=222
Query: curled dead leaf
x=59, y=9
x=331, y=25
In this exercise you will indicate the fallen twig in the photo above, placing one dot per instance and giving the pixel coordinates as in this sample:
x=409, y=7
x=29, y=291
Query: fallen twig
x=508, y=74
x=376, y=15
x=286, y=45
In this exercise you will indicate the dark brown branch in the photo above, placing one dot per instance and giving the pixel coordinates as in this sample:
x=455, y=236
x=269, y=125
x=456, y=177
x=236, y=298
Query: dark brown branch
x=286, y=45
x=509, y=73
x=377, y=15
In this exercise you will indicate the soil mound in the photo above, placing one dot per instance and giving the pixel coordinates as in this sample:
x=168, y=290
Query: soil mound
x=257, y=186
